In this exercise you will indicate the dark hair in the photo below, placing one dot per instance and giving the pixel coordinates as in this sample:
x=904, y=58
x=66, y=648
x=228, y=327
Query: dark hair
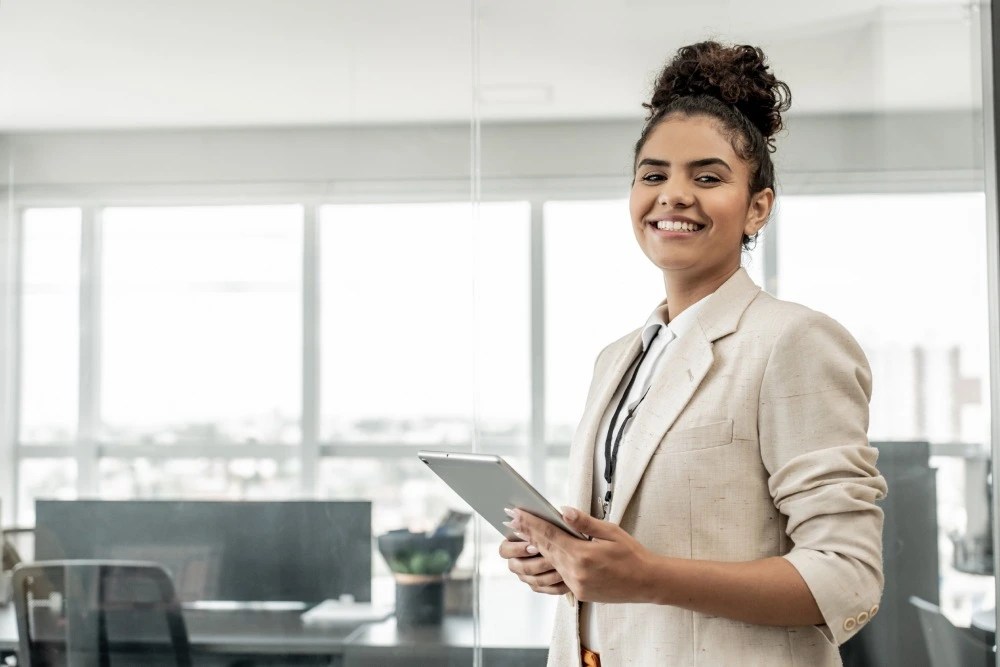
x=733, y=85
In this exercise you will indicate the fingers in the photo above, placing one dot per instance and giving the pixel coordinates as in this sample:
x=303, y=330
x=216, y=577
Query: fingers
x=529, y=566
x=558, y=589
x=537, y=573
x=539, y=532
x=588, y=525
x=510, y=549
x=545, y=581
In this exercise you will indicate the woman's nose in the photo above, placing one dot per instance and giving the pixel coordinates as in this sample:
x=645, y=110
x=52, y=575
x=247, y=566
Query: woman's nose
x=674, y=193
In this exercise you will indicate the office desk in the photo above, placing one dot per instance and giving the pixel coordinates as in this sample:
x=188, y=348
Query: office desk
x=515, y=627
x=223, y=637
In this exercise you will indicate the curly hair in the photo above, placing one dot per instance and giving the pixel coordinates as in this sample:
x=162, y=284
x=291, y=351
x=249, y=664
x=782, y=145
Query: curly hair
x=733, y=85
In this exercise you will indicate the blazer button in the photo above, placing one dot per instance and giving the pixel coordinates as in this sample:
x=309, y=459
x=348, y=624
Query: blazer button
x=850, y=624
x=863, y=618
x=874, y=610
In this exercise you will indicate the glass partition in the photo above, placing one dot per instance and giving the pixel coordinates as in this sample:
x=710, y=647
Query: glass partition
x=880, y=222
x=320, y=237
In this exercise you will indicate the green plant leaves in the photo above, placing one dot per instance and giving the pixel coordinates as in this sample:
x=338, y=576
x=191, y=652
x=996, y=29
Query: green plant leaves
x=437, y=561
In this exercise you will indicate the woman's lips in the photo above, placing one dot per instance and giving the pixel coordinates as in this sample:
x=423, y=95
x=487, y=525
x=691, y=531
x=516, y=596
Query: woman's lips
x=674, y=233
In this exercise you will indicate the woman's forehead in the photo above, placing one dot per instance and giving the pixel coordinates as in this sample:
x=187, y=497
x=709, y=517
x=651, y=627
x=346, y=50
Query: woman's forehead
x=688, y=137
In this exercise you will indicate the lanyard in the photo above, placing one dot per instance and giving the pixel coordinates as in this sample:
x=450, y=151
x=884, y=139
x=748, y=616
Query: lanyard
x=611, y=449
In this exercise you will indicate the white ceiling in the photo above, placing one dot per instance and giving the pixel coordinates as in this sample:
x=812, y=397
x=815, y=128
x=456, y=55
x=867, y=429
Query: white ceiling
x=208, y=63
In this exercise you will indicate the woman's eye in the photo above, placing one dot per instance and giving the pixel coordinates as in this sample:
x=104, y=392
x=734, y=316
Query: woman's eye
x=652, y=178
x=708, y=179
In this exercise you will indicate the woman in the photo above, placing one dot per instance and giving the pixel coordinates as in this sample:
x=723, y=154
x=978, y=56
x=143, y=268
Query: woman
x=722, y=466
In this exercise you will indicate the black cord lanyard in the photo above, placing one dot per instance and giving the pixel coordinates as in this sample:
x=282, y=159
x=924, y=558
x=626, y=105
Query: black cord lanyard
x=611, y=452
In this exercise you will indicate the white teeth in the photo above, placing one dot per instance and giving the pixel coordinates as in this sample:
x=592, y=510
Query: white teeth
x=676, y=226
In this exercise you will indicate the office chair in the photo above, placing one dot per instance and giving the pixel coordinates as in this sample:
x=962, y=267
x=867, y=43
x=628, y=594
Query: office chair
x=18, y=545
x=947, y=645
x=91, y=613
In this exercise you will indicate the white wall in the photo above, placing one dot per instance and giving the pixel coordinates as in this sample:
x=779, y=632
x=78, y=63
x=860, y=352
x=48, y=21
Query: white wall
x=854, y=152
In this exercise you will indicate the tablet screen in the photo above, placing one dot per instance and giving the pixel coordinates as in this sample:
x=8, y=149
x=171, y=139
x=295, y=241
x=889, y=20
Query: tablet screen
x=489, y=484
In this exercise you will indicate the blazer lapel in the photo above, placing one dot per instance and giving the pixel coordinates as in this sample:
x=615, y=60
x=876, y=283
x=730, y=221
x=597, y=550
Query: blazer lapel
x=581, y=460
x=676, y=382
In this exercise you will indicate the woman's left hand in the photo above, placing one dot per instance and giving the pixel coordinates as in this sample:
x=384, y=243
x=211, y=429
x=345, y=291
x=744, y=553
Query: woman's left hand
x=611, y=567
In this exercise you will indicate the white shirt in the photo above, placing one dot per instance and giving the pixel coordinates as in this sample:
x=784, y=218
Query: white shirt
x=659, y=350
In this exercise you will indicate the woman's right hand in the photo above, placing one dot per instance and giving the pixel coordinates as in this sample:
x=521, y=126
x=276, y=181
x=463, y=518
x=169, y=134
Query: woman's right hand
x=532, y=568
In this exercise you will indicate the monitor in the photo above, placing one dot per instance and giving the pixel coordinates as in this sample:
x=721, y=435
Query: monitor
x=247, y=551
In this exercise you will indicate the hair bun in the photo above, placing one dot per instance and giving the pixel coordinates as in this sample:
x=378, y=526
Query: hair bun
x=737, y=75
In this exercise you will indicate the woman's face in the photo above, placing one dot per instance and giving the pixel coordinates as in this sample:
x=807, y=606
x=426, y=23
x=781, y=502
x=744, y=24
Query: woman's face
x=690, y=201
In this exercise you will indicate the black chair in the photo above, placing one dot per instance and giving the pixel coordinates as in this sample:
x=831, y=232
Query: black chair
x=98, y=613
x=947, y=645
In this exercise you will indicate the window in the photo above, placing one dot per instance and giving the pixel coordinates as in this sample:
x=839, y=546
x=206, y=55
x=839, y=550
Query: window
x=442, y=297
x=202, y=324
x=418, y=288
x=50, y=329
x=906, y=274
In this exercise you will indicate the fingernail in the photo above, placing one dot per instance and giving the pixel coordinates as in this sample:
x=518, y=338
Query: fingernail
x=531, y=549
x=569, y=513
x=510, y=512
x=507, y=523
x=521, y=535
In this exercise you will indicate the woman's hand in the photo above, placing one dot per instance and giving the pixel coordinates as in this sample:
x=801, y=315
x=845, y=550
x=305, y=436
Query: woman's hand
x=532, y=568
x=611, y=567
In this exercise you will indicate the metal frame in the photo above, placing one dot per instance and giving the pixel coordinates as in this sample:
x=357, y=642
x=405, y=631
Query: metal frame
x=10, y=349
x=309, y=448
x=990, y=49
x=537, y=450
x=89, y=399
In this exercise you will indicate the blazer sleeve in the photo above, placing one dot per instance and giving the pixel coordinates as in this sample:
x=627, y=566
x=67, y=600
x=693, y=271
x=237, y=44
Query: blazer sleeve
x=813, y=426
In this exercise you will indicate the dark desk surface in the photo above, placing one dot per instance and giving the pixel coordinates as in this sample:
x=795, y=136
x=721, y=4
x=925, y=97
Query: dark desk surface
x=514, y=628
x=262, y=632
x=510, y=615
x=235, y=631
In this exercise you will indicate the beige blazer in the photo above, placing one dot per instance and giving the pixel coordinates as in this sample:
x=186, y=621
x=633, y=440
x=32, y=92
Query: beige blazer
x=752, y=442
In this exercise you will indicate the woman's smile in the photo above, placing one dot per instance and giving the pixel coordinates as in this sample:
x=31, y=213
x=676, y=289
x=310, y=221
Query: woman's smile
x=675, y=227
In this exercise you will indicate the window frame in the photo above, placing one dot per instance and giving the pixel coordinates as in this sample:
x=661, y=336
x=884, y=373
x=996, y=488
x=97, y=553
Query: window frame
x=87, y=451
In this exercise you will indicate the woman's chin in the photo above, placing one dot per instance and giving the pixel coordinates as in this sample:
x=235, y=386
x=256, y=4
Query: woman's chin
x=674, y=264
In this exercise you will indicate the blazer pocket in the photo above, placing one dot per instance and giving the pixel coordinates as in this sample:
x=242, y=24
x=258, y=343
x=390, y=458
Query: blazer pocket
x=705, y=436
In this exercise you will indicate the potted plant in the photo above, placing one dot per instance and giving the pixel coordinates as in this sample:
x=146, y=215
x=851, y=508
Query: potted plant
x=420, y=562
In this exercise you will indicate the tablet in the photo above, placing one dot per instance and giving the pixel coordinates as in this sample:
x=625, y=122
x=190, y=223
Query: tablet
x=489, y=484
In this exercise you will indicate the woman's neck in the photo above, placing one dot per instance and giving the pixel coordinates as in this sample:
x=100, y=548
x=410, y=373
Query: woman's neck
x=685, y=291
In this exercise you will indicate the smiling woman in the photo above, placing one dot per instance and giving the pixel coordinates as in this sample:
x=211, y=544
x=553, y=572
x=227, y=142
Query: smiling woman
x=723, y=447
x=690, y=212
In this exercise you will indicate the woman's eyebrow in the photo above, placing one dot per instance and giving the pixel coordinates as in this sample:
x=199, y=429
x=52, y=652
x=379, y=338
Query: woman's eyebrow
x=693, y=164
x=709, y=161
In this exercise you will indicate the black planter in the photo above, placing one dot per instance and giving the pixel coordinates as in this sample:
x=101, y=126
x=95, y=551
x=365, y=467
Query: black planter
x=419, y=600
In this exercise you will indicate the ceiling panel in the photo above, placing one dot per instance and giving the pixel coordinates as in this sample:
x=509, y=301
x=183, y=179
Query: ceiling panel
x=139, y=63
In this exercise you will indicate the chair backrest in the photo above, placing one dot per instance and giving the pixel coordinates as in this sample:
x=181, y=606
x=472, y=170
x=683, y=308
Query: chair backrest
x=18, y=546
x=947, y=645
x=98, y=614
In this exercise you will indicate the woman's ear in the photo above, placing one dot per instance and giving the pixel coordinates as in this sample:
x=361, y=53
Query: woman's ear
x=758, y=211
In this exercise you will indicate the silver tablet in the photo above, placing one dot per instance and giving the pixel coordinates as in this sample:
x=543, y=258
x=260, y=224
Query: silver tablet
x=489, y=484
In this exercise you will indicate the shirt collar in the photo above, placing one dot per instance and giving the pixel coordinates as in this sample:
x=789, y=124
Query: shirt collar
x=677, y=327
